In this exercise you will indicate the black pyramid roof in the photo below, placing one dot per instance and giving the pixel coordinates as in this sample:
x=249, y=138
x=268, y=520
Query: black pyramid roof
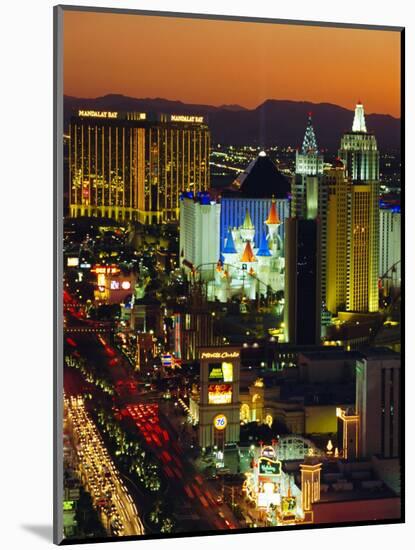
x=260, y=180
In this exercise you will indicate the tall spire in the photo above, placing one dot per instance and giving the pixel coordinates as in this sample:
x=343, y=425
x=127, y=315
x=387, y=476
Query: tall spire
x=359, y=124
x=273, y=218
x=247, y=224
x=229, y=247
x=309, y=141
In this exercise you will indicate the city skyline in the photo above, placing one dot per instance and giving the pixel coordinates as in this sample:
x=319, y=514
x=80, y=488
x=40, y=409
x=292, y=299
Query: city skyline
x=359, y=57
x=231, y=281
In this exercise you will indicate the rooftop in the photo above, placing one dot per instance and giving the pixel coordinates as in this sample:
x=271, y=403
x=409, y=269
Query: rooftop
x=260, y=180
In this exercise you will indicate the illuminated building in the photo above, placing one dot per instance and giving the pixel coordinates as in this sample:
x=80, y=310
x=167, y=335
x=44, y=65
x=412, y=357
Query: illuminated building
x=271, y=489
x=310, y=481
x=390, y=246
x=247, y=270
x=132, y=166
x=260, y=180
x=305, y=245
x=199, y=232
x=308, y=192
x=219, y=406
x=253, y=190
x=338, y=226
x=378, y=386
x=302, y=311
x=263, y=405
x=358, y=150
x=305, y=187
x=348, y=433
x=233, y=211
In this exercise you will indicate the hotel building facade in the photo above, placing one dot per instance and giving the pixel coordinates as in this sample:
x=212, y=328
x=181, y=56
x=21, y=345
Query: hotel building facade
x=134, y=166
x=338, y=236
x=358, y=151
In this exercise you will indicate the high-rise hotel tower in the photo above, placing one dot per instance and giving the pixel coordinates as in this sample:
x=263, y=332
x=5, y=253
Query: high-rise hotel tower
x=305, y=247
x=338, y=236
x=359, y=152
x=134, y=166
x=305, y=185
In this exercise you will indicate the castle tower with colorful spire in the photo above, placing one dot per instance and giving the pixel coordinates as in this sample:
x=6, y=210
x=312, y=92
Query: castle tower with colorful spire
x=247, y=229
x=248, y=258
x=229, y=252
x=264, y=256
x=273, y=220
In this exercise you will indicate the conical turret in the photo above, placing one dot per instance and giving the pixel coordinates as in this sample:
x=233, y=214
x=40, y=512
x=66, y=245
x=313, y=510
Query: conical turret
x=263, y=250
x=359, y=123
x=273, y=220
x=247, y=228
x=229, y=250
x=229, y=247
x=248, y=254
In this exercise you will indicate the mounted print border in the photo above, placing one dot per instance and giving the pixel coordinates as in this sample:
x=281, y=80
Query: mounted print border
x=229, y=281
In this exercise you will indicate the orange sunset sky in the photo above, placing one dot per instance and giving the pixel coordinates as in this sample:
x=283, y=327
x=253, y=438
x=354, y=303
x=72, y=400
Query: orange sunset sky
x=229, y=62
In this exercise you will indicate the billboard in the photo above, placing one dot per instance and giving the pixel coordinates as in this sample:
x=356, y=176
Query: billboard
x=269, y=467
x=219, y=394
x=220, y=372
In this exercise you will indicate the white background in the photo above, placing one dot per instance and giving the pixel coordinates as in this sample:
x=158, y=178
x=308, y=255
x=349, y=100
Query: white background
x=26, y=266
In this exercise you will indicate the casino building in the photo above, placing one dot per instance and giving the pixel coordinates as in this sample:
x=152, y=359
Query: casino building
x=134, y=166
x=255, y=190
x=218, y=406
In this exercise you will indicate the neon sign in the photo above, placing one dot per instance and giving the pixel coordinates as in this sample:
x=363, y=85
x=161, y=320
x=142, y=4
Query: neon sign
x=98, y=114
x=220, y=394
x=215, y=372
x=221, y=373
x=220, y=422
x=267, y=466
x=186, y=118
x=105, y=269
x=219, y=354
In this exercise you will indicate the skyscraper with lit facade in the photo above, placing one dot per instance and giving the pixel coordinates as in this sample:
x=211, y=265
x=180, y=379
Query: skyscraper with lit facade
x=338, y=233
x=309, y=195
x=177, y=153
x=106, y=165
x=134, y=166
x=358, y=150
x=306, y=183
x=305, y=249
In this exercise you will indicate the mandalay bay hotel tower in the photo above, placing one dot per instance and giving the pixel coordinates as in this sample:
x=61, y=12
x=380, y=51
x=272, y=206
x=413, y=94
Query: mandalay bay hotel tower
x=134, y=166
